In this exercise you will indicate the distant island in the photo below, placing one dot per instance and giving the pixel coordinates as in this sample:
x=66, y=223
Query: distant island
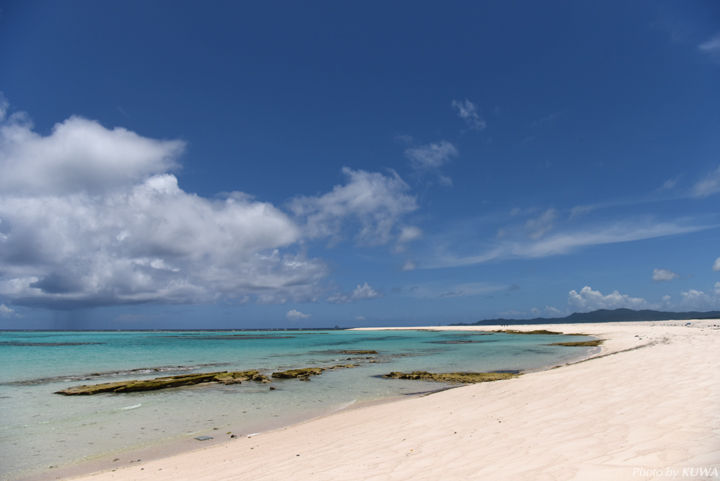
x=602, y=315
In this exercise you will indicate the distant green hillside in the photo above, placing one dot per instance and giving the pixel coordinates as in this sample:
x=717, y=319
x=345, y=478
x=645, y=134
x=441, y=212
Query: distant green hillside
x=603, y=315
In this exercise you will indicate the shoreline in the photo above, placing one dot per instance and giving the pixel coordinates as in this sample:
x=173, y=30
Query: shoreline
x=335, y=436
x=180, y=447
x=185, y=442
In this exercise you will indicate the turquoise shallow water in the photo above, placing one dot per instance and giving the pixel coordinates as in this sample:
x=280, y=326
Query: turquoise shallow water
x=39, y=429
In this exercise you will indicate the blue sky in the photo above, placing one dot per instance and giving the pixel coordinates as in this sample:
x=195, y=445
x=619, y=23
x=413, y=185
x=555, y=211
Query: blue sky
x=287, y=164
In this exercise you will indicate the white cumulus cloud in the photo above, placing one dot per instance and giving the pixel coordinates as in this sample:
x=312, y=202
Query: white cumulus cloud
x=361, y=292
x=5, y=311
x=376, y=201
x=549, y=311
x=695, y=300
x=431, y=156
x=365, y=292
x=427, y=159
x=409, y=234
x=152, y=242
x=716, y=265
x=553, y=312
x=468, y=112
x=91, y=216
x=295, y=315
x=661, y=275
x=79, y=155
x=589, y=300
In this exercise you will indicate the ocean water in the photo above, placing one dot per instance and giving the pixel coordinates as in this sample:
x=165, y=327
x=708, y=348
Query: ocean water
x=40, y=429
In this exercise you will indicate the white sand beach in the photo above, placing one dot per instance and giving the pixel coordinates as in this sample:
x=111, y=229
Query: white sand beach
x=645, y=407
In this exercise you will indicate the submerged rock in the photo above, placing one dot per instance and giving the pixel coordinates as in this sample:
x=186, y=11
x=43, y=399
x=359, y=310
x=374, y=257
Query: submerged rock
x=96, y=389
x=453, y=377
x=541, y=331
x=238, y=376
x=302, y=374
x=260, y=378
x=222, y=377
x=359, y=352
x=166, y=382
x=579, y=344
x=342, y=366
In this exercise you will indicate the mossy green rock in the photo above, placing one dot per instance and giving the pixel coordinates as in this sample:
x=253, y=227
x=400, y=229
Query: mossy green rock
x=342, y=366
x=238, y=376
x=453, y=377
x=222, y=377
x=166, y=382
x=542, y=331
x=302, y=374
x=260, y=378
x=96, y=389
